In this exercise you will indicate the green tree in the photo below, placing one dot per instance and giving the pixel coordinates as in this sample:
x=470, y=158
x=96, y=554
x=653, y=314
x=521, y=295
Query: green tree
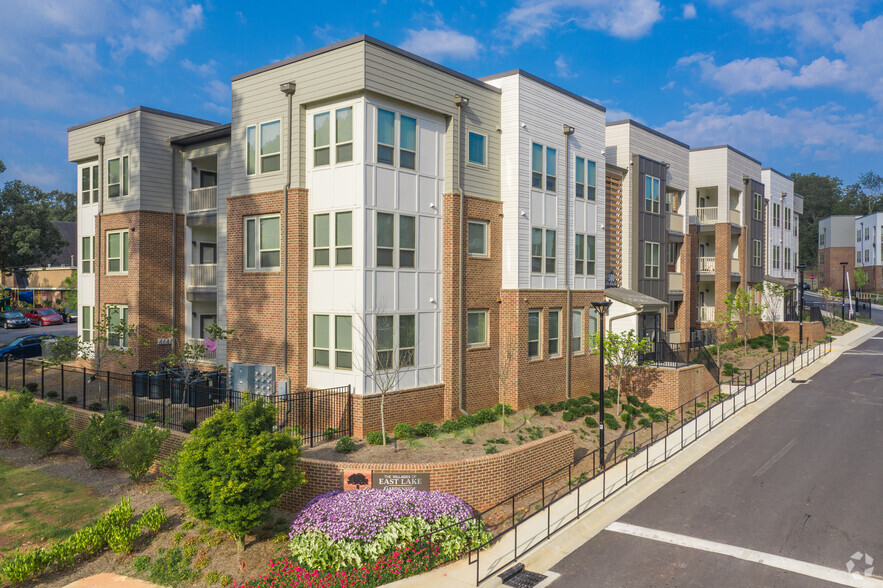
x=772, y=296
x=741, y=309
x=70, y=294
x=28, y=236
x=822, y=196
x=861, y=278
x=621, y=353
x=234, y=468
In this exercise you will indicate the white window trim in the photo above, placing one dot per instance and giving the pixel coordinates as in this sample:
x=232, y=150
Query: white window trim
x=328, y=248
x=577, y=334
x=557, y=338
x=539, y=339
x=257, y=241
x=124, y=259
x=487, y=238
x=655, y=205
x=484, y=342
x=94, y=190
x=313, y=348
x=258, y=167
x=757, y=206
x=91, y=258
x=124, y=319
x=352, y=140
x=125, y=176
x=397, y=241
x=485, y=149
x=86, y=311
x=757, y=253
x=647, y=262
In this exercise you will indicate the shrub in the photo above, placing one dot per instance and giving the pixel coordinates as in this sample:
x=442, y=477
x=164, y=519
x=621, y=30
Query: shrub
x=584, y=399
x=153, y=518
x=500, y=440
x=468, y=441
x=570, y=403
x=152, y=417
x=340, y=529
x=591, y=422
x=754, y=345
x=569, y=415
x=96, y=407
x=467, y=421
x=172, y=568
x=138, y=450
x=450, y=426
x=486, y=415
x=45, y=427
x=634, y=400
x=784, y=347
x=559, y=406
x=52, y=394
x=345, y=445
x=98, y=442
x=70, y=400
x=32, y=387
x=376, y=438
x=644, y=422
x=141, y=563
x=404, y=431
x=491, y=449
x=329, y=433
x=542, y=410
x=631, y=410
x=499, y=408
x=13, y=407
x=225, y=580
x=188, y=425
x=426, y=429
x=610, y=422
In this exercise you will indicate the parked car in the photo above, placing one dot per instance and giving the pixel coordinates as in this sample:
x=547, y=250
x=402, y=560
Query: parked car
x=43, y=317
x=806, y=287
x=69, y=316
x=13, y=319
x=24, y=347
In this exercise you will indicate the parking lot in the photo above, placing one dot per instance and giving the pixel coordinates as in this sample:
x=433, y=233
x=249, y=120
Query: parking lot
x=62, y=330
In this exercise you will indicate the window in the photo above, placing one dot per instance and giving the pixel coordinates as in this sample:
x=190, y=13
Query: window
x=866, y=255
x=407, y=241
x=672, y=253
x=580, y=183
x=385, y=238
x=118, y=177
x=251, y=140
x=270, y=141
x=408, y=142
x=343, y=342
x=86, y=255
x=537, y=250
x=672, y=306
x=775, y=257
x=795, y=225
x=117, y=252
x=89, y=184
x=321, y=139
x=550, y=251
x=321, y=340
x=477, y=148
x=576, y=341
x=385, y=347
x=867, y=232
x=758, y=206
x=117, y=326
x=533, y=334
x=593, y=322
x=787, y=258
x=271, y=147
x=476, y=328
x=777, y=209
x=476, y=240
x=321, y=240
x=343, y=238
x=262, y=242
x=822, y=239
x=407, y=339
x=536, y=166
x=787, y=219
x=386, y=123
x=343, y=134
x=757, y=257
x=858, y=236
x=795, y=260
x=86, y=321
x=858, y=257
x=585, y=255
x=551, y=168
x=554, y=332
x=651, y=260
x=671, y=200
x=591, y=173
x=651, y=194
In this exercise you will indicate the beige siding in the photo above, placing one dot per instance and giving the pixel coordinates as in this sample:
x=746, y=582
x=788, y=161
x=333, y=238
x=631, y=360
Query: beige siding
x=122, y=135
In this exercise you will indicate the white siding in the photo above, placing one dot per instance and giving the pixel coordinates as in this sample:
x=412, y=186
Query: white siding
x=779, y=190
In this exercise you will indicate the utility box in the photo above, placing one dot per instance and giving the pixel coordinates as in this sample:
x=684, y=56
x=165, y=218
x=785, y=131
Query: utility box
x=252, y=377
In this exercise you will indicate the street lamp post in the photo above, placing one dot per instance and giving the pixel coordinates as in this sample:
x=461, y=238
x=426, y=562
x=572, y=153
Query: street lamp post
x=801, y=267
x=601, y=307
x=843, y=290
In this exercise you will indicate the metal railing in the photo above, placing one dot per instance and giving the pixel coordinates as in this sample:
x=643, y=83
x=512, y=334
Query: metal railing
x=204, y=275
x=167, y=399
x=706, y=314
x=573, y=490
x=207, y=355
x=675, y=282
x=203, y=199
x=706, y=265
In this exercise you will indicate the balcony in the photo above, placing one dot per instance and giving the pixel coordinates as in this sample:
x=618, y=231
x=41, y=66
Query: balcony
x=675, y=222
x=706, y=314
x=203, y=199
x=675, y=282
x=707, y=214
x=734, y=267
x=204, y=275
x=711, y=214
x=706, y=265
x=736, y=217
x=208, y=356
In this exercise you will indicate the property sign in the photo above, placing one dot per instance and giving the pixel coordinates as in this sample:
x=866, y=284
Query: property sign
x=400, y=480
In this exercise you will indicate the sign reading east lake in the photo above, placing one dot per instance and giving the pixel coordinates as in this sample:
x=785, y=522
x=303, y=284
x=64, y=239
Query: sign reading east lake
x=397, y=480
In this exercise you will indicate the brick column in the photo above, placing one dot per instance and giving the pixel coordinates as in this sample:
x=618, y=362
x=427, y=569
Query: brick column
x=686, y=316
x=721, y=266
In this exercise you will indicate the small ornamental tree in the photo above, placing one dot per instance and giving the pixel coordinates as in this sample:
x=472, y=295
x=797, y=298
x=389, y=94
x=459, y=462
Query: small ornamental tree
x=861, y=278
x=772, y=295
x=621, y=353
x=188, y=356
x=234, y=468
x=741, y=308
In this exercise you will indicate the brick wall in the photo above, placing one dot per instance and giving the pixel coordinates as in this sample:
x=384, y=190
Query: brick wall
x=480, y=481
x=401, y=406
x=722, y=279
x=830, y=270
x=686, y=317
x=814, y=331
x=670, y=387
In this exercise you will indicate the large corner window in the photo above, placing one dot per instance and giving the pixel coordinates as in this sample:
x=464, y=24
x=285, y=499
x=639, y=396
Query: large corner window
x=386, y=137
x=263, y=148
x=118, y=326
x=386, y=239
x=118, y=177
x=90, y=182
x=117, y=252
x=262, y=243
x=651, y=260
x=651, y=194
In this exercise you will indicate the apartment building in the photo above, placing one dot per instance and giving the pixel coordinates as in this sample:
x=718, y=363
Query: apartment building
x=363, y=208
x=869, y=249
x=647, y=221
x=784, y=208
x=839, y=249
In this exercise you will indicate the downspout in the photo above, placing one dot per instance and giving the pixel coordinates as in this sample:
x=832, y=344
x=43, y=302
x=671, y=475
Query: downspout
x=568, y=312
x=622, y=316
x=174, y=237
x=288, y=89
x=97, y=250
x=460, y=102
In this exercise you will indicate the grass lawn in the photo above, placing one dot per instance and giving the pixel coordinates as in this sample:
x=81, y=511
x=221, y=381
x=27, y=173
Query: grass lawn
x=36, y=507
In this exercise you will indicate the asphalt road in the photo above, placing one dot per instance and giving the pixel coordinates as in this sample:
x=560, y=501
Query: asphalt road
x=876, y=314
x=801, y=481
x=62, y=330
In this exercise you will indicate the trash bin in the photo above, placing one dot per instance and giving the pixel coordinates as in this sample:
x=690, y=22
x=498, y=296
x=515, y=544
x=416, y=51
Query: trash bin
x=158, y=384
x=140, y=383
x=217, y=381
x=198, y=394
x=176, y=388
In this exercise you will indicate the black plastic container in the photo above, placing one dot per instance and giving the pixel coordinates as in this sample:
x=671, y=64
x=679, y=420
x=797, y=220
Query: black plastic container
x=140, y=383
x=158, y=386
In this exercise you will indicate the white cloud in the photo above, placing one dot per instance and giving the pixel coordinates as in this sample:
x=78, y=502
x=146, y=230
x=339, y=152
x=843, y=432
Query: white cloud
x=689, y=11
x=562, y=68
x=218, y=91
x=440, y=44
x=814, y=21
x=628, y=19
x=223, y=111
x=157, y=32
x=668, y=86
x=202, y=69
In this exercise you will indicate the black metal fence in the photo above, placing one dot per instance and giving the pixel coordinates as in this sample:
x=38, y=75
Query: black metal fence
x=663, y=354
x=173, y=402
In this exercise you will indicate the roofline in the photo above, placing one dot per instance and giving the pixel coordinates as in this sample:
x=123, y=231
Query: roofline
x=142, y=109
x=774, y=170
x=546, y=83
x=201, y=136
x=649, y=130
x=372, y=41
x=731, y=148
x=796, y=195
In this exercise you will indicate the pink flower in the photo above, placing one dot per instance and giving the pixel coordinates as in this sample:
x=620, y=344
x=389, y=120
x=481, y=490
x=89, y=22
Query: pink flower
x=211, y=345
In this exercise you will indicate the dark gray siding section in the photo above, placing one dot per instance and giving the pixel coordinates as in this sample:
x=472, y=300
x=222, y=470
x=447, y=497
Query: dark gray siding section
x=756, y=230
x=649, y=226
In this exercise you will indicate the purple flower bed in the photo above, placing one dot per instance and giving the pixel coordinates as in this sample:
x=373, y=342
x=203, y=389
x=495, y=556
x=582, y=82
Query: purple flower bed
x=361, y=514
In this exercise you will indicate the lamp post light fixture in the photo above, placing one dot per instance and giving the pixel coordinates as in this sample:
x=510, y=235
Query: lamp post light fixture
x=801, y=268
x=601, y=307
x=843, y=291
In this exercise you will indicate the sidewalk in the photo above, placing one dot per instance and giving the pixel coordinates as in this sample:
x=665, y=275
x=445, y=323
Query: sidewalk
x=595, y=518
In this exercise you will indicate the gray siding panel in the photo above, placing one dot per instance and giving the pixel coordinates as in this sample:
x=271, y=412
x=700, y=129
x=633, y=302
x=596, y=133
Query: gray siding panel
x=756, y=230
x=650, y=227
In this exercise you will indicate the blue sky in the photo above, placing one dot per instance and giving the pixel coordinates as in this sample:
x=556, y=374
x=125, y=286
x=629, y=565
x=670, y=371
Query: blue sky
x=797, y=84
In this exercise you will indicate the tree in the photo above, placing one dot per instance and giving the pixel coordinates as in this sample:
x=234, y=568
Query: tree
x=741, y=309
x=187, y=356
x=29, y=238
x=501, y=370
x=772, y=296
x=821, y=197
x=357, y=480
x=234, y=468
x=70, y=293
x=621, y=353
x=861, y=278
x=872, y=191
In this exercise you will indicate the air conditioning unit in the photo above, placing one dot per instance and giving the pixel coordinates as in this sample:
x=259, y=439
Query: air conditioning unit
x=253, y=378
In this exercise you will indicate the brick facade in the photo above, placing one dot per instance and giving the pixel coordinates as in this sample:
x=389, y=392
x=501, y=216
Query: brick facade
x=812, y=331
x=670, y=387
x=686, y=314
x=830, y=270
x=400, y=406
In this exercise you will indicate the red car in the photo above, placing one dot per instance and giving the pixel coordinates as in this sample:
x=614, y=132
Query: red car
x=44, y=316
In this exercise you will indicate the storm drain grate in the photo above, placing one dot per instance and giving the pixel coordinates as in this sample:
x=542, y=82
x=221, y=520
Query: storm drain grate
x=796, y=381
x=518, y=577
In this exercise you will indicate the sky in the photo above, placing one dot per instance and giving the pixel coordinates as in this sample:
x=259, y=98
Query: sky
x=797, y=84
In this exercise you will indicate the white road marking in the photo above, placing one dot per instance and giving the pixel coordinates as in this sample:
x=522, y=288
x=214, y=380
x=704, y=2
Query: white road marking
x=863, y=353
x=760, y=471
x=768, y=559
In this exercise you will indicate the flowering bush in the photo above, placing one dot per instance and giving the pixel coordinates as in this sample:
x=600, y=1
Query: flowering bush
x=341, y=530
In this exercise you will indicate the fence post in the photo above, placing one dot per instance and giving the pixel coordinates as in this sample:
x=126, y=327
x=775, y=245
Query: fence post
x=166, y=394
x=349, y=402
x=42, y=379
x=134, y=398
x=311, y=418
x=62, y=382
x=6, y=377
